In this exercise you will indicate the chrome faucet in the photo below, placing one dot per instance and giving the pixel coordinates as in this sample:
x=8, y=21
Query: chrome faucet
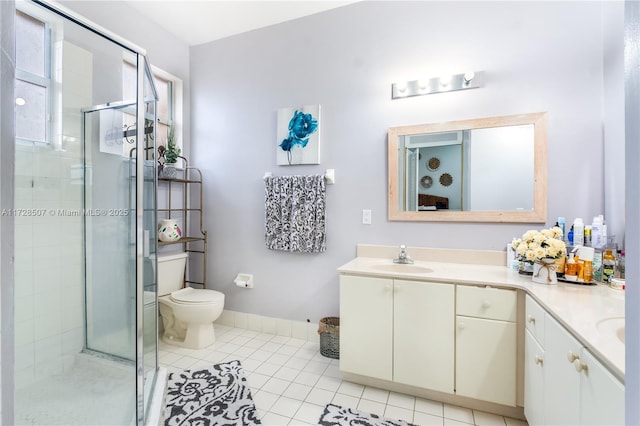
x=403, y=257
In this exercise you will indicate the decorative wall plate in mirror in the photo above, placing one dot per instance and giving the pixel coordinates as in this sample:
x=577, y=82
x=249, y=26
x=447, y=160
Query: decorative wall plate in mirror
x=446, y=179
x=433, y=164
x=480, y=155
x=426, y=181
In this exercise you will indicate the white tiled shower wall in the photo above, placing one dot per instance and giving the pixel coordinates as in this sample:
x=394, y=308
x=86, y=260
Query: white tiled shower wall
x=49, y=246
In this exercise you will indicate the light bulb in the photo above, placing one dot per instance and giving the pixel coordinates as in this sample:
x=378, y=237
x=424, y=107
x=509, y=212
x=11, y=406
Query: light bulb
x=468, y=76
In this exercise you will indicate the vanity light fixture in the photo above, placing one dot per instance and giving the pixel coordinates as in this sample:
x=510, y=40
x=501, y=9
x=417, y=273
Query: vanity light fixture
x=468, y=80
x=445, y=80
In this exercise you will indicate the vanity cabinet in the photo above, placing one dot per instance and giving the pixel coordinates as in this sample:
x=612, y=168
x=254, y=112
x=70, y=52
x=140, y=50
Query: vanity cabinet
x=564, y=383
x=366, y=326
x=423, y=334
x=534, y=362
x=398, y=330
x=486, y=344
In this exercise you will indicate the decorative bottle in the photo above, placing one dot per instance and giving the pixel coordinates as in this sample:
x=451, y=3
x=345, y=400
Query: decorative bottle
x=578, y=232
x=169, y=230
x=608, y=266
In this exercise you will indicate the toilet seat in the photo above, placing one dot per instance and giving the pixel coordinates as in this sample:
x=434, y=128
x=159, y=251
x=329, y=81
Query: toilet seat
x=193, y=296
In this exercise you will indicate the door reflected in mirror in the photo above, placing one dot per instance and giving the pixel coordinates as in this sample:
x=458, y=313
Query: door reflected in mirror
x=480, y=170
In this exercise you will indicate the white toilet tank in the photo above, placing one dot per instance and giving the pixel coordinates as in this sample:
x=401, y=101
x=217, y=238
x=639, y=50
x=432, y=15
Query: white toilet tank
x=171, y=272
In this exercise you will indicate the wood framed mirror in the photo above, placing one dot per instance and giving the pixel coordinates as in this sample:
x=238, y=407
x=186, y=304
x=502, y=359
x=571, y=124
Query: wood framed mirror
x=488, y=170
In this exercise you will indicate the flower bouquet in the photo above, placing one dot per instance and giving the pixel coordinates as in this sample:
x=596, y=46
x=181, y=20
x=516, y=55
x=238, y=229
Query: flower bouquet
x=540, y=247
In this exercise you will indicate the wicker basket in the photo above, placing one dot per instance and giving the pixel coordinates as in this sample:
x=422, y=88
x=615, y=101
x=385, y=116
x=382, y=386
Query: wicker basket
x=329, y=330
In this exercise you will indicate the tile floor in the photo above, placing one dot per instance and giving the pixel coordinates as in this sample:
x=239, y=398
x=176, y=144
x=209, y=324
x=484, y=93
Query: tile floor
x=291, y=382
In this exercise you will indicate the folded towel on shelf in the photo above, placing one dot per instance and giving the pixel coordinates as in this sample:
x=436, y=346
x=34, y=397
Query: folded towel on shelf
x=295, y=213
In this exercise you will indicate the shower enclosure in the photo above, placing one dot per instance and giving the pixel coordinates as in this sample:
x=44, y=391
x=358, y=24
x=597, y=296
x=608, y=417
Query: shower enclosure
x=85, y=287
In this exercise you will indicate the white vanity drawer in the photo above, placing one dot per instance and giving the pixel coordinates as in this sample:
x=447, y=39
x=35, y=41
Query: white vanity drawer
x=486, y=302
x=534, y=319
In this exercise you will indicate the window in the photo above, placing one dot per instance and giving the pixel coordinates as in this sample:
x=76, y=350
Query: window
x=33, y=79
x=165, y=110
x=169, y=107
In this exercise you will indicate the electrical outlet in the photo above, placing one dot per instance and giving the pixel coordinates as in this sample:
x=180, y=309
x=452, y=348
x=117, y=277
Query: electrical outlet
x=366, y=217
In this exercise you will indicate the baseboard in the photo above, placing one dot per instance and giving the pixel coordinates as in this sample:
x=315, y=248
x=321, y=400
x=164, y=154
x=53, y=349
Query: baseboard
x=280, y=327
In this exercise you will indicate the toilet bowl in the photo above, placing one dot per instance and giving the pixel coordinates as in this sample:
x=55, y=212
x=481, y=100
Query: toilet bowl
x=187, y=313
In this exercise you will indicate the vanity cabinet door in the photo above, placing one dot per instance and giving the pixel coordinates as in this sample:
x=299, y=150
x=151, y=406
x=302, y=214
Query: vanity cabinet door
x=562, y=382
x=575, y=388
x=366, y=326
x=601, y=394
x=486, y=360
x=533, y=380
x=423, y=318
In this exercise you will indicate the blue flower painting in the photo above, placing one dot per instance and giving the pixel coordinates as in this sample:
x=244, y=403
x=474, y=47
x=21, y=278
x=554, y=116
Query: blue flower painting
x=298, y=135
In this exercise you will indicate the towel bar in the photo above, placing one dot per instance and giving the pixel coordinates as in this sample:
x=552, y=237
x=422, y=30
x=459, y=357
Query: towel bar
x=329, y=176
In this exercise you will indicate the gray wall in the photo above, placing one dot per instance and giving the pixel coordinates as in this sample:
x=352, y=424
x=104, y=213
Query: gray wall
x=538, y=56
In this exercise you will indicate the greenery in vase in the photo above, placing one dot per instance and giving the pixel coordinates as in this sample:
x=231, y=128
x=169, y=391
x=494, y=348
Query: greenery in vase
x=172, y=152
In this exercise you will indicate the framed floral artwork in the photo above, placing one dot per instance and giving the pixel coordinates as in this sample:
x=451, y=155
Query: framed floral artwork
x=298, y=135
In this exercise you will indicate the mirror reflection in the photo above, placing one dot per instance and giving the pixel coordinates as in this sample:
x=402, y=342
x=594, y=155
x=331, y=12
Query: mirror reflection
x=491, y=169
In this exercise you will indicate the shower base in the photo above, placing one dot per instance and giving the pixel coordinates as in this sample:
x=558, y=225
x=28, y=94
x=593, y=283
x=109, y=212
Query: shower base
x=94, y=391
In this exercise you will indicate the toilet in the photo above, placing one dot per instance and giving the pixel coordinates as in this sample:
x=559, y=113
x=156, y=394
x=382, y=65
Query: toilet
x=187, y=313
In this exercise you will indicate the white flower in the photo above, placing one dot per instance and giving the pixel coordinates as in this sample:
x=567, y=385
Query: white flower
x=536, y=245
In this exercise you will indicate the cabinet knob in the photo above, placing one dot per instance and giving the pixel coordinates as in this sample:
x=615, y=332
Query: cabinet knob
x=531, y=319
x=461, y=325
x=486, y=304
x=537, y=359
x=572, y=356
x=580, y=366
x=388, y=287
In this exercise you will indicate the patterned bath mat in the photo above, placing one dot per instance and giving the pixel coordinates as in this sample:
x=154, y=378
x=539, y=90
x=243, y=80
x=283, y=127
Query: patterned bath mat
x=217, y=395
x=335, y=415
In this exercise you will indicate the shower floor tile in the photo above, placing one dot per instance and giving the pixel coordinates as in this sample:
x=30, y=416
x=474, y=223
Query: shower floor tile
x=95, y=391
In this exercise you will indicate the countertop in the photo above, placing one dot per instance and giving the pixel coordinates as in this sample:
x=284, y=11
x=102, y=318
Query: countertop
x=578, y=307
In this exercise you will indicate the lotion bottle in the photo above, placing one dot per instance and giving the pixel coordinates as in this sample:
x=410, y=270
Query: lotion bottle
x=570, y=236
x=586, y=255
x=578, y=232
x=587, y=236
x=562, y=223
x=596, y=232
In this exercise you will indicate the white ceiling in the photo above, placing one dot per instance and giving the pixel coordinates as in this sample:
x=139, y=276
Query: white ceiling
x=197, y=22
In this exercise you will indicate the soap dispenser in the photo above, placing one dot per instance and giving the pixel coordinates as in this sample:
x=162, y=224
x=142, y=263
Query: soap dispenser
x=571, y=271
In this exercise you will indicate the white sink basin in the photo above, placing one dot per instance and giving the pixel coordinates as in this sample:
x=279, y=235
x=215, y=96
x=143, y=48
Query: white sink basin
x=401, y=267
x=613, y=325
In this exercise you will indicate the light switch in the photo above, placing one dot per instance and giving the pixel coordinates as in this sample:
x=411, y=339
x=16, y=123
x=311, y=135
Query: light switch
x=366, y=217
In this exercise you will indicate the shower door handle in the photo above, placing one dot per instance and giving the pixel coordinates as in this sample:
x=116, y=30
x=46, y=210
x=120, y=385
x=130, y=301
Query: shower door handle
x=145, y=243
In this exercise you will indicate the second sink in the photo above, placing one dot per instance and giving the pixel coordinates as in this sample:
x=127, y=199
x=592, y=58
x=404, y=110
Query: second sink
x=613, y=325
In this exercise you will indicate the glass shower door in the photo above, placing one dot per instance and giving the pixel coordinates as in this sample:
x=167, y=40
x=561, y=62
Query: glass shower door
x=85, y=299
x=109, y=232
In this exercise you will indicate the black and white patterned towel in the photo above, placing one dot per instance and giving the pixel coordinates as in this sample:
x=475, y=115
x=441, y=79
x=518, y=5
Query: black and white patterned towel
x=335, y=415
x=217, y=395
x=295, y=213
